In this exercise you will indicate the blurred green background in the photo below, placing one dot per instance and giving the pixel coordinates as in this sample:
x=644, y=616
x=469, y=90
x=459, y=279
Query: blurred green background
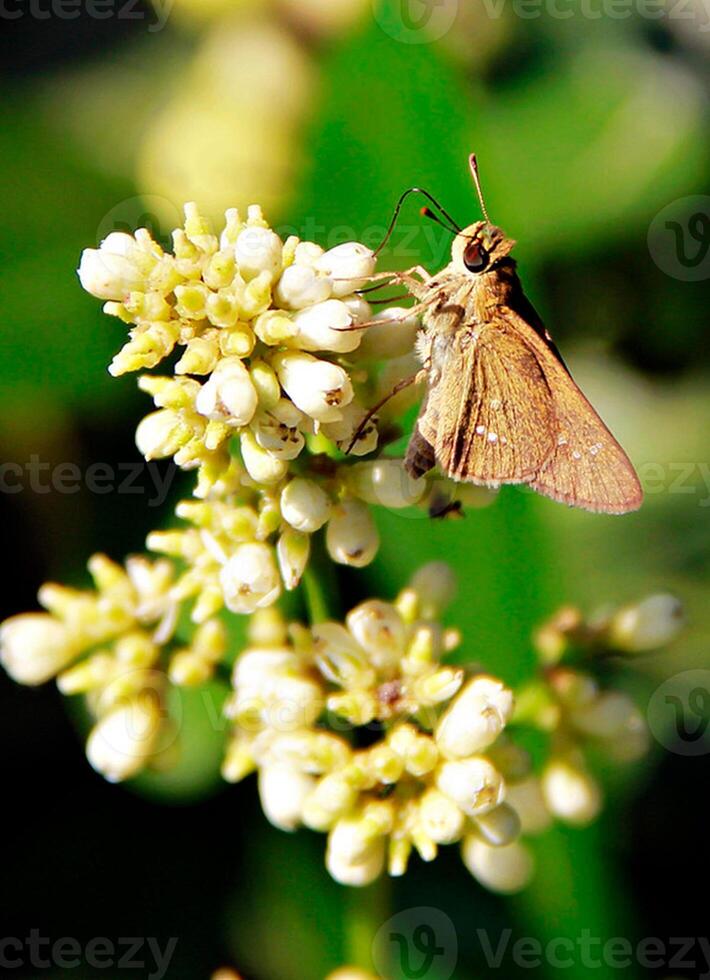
x=586, y=128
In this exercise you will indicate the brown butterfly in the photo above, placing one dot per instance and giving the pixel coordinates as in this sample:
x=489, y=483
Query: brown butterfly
x=500, y=405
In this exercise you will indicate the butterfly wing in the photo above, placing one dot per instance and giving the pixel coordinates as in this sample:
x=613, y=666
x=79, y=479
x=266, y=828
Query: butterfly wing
x=488, y=415
x=587, y=467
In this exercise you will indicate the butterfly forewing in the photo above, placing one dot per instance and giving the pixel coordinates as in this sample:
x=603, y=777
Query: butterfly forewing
x=489, y=413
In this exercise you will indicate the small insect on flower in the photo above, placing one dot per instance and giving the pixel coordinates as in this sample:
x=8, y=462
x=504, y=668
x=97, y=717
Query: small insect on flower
x=501, y=405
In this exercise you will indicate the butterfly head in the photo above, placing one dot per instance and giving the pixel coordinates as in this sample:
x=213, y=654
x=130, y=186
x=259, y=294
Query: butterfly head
x=479, y=247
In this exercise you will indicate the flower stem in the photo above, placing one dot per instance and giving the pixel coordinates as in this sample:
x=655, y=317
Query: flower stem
x=366, y=911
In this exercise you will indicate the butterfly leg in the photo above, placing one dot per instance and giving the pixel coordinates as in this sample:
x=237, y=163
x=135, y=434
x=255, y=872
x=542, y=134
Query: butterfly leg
x=400, y=386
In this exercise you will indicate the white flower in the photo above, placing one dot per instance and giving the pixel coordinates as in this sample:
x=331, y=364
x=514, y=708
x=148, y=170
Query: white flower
x=308, y=253
x=301, y=286
x=351, y=537
x=441, y=819
x=354, y=855
x=571, y=794
x=394, y=335
x=161, y=434
x=331, y=799
x=318, y=388
x=609, y=715
x=276, y=430
x=304, y=505
x=356, y=873
x=348, y=265
x=263, y=466
x=228, y=395
x=292, y=551
x=34, y=647
x=123, y=740
x=380, y=631
x=282, y=791
x=499, y=826
x=475, y=719
x=250, y=579
x=526, y=799
x=474, y=784
x=435, y=586
x=343, y=431
x=502, y=869
x=387, y=483
x=111, y=272
x=258, y=250
x=648, y=624
x=326, y=326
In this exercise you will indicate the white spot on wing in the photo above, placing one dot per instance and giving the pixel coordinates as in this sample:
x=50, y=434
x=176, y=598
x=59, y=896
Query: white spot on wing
x=493, y=437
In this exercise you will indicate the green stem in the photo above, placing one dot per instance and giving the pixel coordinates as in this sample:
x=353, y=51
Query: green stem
x=366, y=911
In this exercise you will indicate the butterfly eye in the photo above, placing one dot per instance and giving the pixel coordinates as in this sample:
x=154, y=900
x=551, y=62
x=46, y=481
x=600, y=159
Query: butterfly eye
x=475, y=257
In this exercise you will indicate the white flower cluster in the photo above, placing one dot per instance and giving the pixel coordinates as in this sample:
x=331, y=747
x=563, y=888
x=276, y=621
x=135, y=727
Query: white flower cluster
x=428, y=778
x=107, y=644
x=269, y=331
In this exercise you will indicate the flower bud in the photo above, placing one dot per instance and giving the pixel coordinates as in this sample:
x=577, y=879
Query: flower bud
x=304, y=505
x=301, y=286
x=162, y=434
x=339, y=657
x=276, y=430
x=228, y=395
x=394, y=336
x=258, y=250
x=474, y=784
x=571, y=794
x=263, y=467
x=648, y=624
x=111, y=271
x=609, y=715
x=326, y=326
x=499, y=826
x=435, y=587
x=283, y=791
x=344, y=431
x=379, y=630
x=501, y=869
x=351, y=537
x=441, y=819
x=332, y=798
x=250, y=579
x=475, y=719
x=526, y=799
x=318, y=388
x=34, y=647
x=348, y=265
x=122, y=742
x=292, y=551
x=385, y=482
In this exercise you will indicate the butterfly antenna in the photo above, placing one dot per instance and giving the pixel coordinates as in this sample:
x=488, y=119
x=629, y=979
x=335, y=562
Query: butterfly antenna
x=398, y=208
x=473, y=163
